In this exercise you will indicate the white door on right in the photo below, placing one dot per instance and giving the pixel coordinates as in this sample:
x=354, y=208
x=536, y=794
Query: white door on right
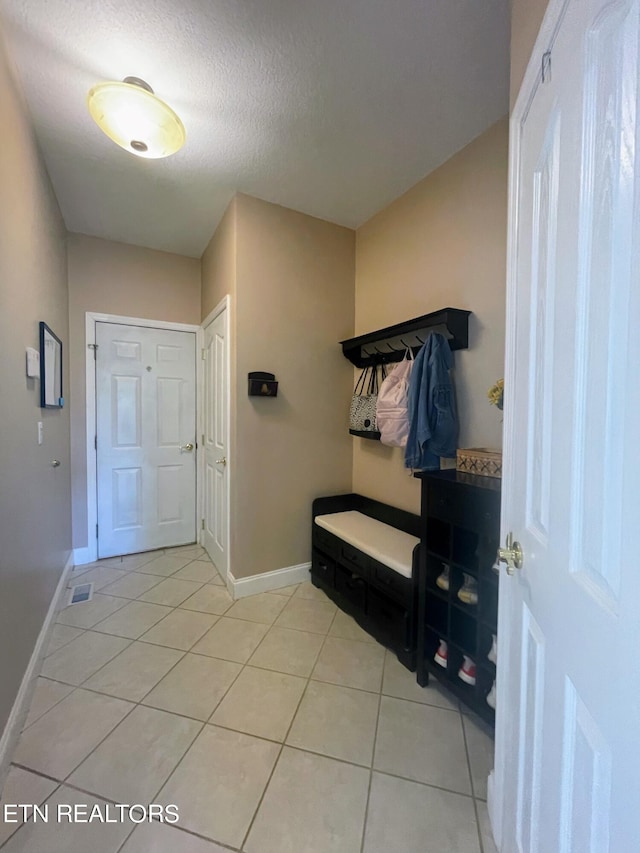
x=568, y=715
x=215, y=443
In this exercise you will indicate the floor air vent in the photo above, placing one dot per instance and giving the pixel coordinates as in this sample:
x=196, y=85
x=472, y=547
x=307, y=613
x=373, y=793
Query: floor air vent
x=81, y=592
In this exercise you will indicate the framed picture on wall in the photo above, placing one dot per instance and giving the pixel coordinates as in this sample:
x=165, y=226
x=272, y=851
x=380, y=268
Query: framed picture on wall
x=50, y=369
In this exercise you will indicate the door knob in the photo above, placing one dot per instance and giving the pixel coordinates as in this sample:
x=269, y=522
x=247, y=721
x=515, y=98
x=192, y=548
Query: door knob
x=512, y=555
x=222, y=461
x=55, y=463
x=187, y=447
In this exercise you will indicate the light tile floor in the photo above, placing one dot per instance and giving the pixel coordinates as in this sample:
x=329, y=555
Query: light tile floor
x=274, y=723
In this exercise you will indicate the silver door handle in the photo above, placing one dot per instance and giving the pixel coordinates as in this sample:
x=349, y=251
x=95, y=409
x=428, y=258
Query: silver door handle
x=187, y=447
x=222, y=461
x=55, y=463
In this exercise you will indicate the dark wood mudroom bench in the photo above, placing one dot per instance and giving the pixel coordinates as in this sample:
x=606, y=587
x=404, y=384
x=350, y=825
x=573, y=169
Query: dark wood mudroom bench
x=365, y=558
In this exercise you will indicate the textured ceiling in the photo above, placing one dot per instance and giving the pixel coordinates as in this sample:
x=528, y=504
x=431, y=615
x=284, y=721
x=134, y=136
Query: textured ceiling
x=330, y=107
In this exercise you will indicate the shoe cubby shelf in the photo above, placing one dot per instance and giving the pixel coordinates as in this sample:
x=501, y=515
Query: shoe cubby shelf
x=460, y=519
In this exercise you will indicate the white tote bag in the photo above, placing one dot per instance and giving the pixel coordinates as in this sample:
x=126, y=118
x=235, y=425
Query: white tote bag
x=392, y=410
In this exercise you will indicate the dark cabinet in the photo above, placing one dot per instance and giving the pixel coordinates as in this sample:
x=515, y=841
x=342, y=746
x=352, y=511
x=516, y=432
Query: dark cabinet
x=460, y=521
x=381, y=600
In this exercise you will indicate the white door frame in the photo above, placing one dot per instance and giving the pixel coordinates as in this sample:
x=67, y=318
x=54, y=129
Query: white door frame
x=532, y=78
x=90, y=553
x=223, y=305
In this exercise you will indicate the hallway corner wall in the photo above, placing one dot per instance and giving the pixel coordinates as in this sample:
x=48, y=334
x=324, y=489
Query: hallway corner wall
x=441, y=244
x=35, y=497
x=130, y=281
x=291, y=279
x=295, y=302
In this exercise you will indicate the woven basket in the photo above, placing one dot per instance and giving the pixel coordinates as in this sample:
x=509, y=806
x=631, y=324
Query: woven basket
x=479, y=460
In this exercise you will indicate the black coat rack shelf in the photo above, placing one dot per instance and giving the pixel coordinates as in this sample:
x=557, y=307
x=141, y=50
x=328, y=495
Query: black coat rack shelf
x=390, y=344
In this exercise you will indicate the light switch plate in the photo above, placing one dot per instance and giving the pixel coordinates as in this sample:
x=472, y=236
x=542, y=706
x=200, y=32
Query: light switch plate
x=33, y=363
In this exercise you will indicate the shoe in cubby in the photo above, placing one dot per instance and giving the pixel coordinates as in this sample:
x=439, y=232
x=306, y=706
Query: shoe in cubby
x=442, y=654
x=493, y=654
x=468, y=592
x=467, y=671
x=442, y=581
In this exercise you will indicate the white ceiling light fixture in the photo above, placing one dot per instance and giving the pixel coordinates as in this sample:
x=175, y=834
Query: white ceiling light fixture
x=135, y=118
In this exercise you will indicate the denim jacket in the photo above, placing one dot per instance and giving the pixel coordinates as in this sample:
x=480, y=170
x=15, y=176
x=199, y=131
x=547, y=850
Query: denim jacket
x=433, y=423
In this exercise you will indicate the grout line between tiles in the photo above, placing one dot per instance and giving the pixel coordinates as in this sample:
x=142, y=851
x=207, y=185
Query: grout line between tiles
x=473, y=790
x=114, y=802
x=308, y=679
x=141, y=639
x=101, y=693
x=128, y=575
x=90, y=753
x=475, y=808
x=102, y=666
x=284, y=740
x=188, y=832
x=102, y=799
x=64, y=684
x=468, y=753
x=417, y=702
x=124, y=601
x=207, y=722
x=19, y=826
x=417, y=782
x=66, y=643
x=102, y=796
x=281, y=743
x=373, y=757
x=36, y=772
x=98, y=693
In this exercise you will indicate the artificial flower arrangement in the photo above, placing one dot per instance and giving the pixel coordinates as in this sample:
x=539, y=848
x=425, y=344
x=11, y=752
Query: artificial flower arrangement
x=496, y=394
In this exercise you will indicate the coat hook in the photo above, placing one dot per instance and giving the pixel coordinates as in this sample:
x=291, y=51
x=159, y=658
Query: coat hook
x=420, y=339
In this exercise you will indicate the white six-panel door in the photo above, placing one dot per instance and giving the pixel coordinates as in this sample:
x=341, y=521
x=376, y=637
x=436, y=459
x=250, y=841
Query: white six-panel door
x=146, y=437
x=568, y=715
x=215, y=442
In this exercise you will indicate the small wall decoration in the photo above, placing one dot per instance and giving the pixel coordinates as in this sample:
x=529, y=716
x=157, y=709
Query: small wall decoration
x=50, y=369
x=262, y=384
x=496, y=394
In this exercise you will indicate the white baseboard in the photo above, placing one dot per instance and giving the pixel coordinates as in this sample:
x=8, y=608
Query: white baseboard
x=82, y=556
x=20, y=708
x=241, y=587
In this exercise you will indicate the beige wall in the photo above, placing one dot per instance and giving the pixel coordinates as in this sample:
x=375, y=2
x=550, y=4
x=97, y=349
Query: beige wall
x=219, y=267
x=219, y=262
x=116, y=278
x=441, y=244
x=526, y=17
x=35, y=502
x=294, y=301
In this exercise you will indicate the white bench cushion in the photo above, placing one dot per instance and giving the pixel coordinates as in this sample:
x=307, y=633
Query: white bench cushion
x=386, y=544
